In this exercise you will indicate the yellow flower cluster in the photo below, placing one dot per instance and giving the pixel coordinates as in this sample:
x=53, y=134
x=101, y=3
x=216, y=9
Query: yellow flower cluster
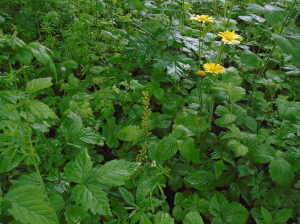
x=202, y=18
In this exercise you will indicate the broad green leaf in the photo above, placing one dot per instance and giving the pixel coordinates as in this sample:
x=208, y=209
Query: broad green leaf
x=10, y=160
x=188, y=150
x=201, y=180
x=231, y=75
x=168, y=147
x=194, y=123
x=250, y=59
x=38, y=84
x=79, y=171
x=57, y=202
x=163, y=218
x=234, y=191
x=281, y=171
x=236, y=93
x=29, y=206
x=75, y=214
x=88, y=135
x=41, y=110
x=144, y=219
x=262, y=154
x=91, y=197
x=251, y=123
x=2, y=20
x=41, y=53
x=218, y=168
x=267, y=215
x=225, y=120
x=187, y=6
x=127, y=195
x=193, y=217
x=27, y=179
x=96, y=70
x=130, y=133
x=288, y=109
x=283, y=215
x=115, y=172
x=237, y=147
x=224, y=212
x=70, y=64
x=289, y=45
x=118, y=208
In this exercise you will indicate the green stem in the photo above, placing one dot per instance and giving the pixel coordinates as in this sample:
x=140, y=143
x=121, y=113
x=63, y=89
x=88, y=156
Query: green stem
x=294, y=19
x=225, y=9
x=231, y=8
x=220, y=53
x=24, y=73
x=286, y=18
x=32, y=153
x=211, y=110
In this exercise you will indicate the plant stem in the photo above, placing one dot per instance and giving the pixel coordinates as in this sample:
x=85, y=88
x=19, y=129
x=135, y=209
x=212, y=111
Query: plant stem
x=231, y=8
x=211, y=110
x=286, y=18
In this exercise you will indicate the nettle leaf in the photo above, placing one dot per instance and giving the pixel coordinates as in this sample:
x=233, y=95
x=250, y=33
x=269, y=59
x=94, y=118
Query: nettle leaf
x=163, y=218
x=38, y=84
x=41, y=110
x=225, y=120
x=235, y=93
x=131, y=133
x=160, y=121
x=10, y=160
x=115, y=172
x=218, y=168
x=224, y=212
x=193, y=217
x=202, y=180
x=29, y=205
x=80, y=170
x=91, y=197
x=283, y=215
x=281, y=171
x=175, y=66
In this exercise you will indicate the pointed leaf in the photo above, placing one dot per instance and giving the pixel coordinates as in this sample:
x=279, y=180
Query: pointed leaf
x=202, y=180
x=38, y=84
x=193, y=217
x=41, y=110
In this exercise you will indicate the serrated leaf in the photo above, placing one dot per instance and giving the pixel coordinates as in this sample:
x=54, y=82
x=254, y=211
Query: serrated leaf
x=281, y=171
x=29, y=205
x=127, y=195
x=225, y=120
x=91, y=197
x=79, y=171
x=38, y=84
x=193, y=217
x=130, y=133
x=202, y=180
x=218, y=168
x=262, y=154
x=41, y=110
x=267, y=215
x=231, y=75
x=251, y=123
x=283, y=215
x=288, y=109
x=115, y=172
x=237, y=147
x=41, y=53
x=10, y=160
x=224, y=212
x=75, y=214
x=167, y=148
x=188, y=150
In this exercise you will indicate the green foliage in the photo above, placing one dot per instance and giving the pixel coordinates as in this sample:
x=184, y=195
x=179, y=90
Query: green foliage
x=109, y=112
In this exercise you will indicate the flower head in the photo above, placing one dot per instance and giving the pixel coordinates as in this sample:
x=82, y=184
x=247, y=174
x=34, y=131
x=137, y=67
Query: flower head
x=187, y=67
x=230, y=37
x=153, y=164
x=200, y=73
x=63, y=69
x=202, y=18
x=213, y=68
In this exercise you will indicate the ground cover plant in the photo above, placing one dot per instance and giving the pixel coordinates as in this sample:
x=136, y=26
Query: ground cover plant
x=154, y=111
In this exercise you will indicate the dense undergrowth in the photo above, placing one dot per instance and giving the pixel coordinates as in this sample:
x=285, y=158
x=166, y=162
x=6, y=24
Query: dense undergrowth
x=149, y=111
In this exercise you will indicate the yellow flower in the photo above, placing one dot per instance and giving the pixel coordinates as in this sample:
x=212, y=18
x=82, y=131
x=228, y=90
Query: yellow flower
x=230, y=37
x=202, y=18
x=200, y=73
x=213, y=68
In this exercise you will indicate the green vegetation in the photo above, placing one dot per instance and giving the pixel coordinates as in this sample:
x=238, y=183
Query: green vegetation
x=149, y=111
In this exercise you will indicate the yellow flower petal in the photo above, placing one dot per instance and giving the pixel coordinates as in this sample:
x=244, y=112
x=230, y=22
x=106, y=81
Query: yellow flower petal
x=230, y=37
x=200, y=73
x=213, y=68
